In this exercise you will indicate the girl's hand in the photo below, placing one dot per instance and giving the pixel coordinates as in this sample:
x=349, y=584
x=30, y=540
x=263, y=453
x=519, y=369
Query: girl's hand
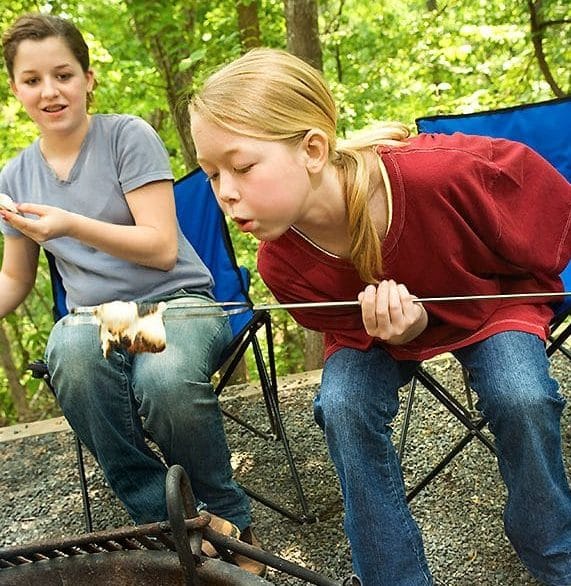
x=390, y=314
x=51, y=222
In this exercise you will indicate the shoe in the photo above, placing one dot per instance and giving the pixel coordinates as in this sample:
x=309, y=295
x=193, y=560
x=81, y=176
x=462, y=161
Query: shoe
x=248, y=564
x=219, y=525
x=247, y=536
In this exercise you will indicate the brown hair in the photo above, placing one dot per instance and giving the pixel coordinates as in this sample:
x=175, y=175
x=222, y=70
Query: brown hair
x=270, y=94
x=37, y=27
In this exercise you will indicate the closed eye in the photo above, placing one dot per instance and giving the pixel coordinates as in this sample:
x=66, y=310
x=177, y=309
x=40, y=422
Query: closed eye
x=243, y=169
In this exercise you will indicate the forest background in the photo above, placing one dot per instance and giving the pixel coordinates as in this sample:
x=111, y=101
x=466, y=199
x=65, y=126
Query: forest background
x=384, y=60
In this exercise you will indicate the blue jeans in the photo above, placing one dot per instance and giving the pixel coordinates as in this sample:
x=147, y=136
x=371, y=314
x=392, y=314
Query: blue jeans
x=357, y=402
x=114, y=404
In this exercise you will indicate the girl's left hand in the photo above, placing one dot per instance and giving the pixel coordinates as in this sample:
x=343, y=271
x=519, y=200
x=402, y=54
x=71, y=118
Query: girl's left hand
x=390, y=314
x=52, y=222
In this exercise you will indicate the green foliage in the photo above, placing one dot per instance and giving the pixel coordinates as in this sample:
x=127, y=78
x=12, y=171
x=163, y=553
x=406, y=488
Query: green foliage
x=386, y=59
x=404, y=61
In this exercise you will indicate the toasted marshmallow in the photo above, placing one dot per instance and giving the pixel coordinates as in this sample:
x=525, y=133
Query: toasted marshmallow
x=131, y=326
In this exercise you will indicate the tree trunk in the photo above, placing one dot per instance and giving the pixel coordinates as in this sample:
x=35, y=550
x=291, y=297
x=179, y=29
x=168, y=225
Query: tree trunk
x=170, y=44
x=17, y=391
x=303, y=41
x=314, y=348
x=303, y=31
x=537, y=26
x=176, y=81
x=248, y=24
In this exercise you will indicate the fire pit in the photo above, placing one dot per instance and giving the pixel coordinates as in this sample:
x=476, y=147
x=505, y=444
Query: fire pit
x=166, y=553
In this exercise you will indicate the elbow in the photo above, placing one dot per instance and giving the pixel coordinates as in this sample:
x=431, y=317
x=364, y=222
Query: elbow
x=168, y=266
x=167, y=260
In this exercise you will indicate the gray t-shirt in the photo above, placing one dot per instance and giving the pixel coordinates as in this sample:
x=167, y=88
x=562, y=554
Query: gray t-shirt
x=119, y=154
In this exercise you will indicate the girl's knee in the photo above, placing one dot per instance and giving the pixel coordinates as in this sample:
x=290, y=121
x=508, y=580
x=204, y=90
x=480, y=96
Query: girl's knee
x=73, y=345
x=529, y=400
x=350, y=408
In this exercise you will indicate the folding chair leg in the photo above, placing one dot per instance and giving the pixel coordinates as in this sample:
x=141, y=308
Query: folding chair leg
x=468, y=390
x=269, y=388
x=464, y=416
x=40, y=371
x=83, y=485
x=406, y=419
x=458, y=447
x=268, y=383
x=442, y=395
x=557, y=344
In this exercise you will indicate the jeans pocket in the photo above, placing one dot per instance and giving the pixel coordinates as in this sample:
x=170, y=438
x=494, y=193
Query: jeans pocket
x=77, y=319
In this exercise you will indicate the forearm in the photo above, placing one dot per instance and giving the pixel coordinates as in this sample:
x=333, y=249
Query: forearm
x=12, y=293
x=144, y=245
x=150, y=241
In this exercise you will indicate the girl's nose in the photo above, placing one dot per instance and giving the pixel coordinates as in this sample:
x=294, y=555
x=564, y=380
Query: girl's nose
x=49, y=88
x=227, y=191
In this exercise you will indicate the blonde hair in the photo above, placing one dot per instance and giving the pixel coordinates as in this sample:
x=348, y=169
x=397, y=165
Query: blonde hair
x=270, y=94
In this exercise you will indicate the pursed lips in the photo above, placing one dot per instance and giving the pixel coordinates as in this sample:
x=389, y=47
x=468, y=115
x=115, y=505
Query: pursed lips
x=243, y=224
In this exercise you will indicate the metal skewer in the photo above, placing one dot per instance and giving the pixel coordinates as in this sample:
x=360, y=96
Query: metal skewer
x=233, y=307
x=318, y=304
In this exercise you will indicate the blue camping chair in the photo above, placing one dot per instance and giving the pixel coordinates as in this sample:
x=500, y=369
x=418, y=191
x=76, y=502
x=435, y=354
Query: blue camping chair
x=203, y=224
x=545, y=127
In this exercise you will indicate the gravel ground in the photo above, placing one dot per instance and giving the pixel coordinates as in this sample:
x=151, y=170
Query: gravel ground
x=459, y=513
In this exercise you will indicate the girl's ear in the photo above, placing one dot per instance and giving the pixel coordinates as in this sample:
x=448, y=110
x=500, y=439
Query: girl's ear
x=90, y=78
x=316, y=149
x=13, y=88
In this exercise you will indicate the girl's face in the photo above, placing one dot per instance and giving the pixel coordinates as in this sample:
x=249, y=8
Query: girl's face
x=51, y=85
x=261, y=184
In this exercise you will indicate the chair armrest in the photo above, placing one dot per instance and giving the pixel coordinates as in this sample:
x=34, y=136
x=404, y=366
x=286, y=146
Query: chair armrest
x=39, y=369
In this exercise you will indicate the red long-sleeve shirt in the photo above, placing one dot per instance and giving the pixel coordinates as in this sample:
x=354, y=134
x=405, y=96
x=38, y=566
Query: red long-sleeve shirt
x=471, y=216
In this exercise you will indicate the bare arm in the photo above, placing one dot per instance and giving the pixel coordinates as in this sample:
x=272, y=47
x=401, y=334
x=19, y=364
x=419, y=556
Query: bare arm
x=151, y=242
x=18, y=273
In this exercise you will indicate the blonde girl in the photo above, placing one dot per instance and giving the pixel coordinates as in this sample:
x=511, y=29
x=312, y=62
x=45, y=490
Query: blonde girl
x=384, y=218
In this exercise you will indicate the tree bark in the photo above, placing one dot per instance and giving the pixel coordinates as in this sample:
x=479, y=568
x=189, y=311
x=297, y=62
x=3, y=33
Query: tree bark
x=17, y=391
x=303, y=31
x=248, y=24
x=169, y=46
x=314, y=348
x=303, y=41
x=537, y=27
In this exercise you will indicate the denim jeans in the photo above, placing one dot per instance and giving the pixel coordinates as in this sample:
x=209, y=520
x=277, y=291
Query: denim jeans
x=357, y=402
x=114, y=404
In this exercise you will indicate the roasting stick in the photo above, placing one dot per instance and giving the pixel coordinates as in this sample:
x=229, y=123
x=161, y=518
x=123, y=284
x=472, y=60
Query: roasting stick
x=233, y=307
x=318, y=304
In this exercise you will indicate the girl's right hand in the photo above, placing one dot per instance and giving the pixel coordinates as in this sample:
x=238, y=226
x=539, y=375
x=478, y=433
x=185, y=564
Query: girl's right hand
x=390, y=314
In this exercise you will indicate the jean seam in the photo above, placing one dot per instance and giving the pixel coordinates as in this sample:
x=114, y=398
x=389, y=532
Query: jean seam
x=131, y=399
x=405, y=517
x=214, y=338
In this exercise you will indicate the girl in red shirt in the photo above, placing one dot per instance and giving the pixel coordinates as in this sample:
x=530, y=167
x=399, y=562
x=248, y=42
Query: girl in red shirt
x=385, y=218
